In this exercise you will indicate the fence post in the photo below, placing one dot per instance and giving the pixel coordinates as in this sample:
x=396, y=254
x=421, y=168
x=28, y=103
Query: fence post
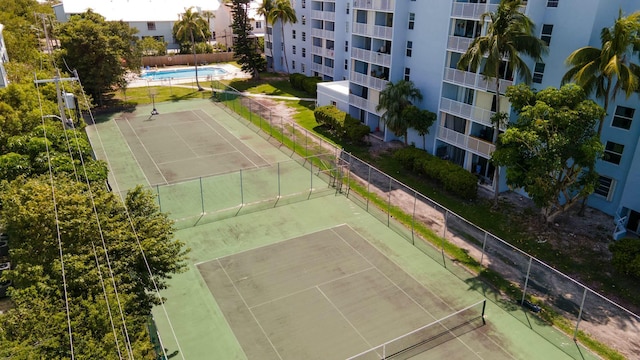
x=413, y=217
x=368, y=187
x=250, y=109
x=279, y=193
x=584, y=296
x=241, y=190
x=484, y=244
x=201, y=195
x=281, y=130
x=389, y=204
x=311, y=177
x=306, y=142
x=444, y=236
x=158, y=192
x=526, y=280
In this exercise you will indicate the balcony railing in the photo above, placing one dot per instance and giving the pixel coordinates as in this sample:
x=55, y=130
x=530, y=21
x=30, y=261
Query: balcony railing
x=384, y=5
x=473, y=80
x=322, y=69
x=372, y=57
x=368, y=81
x=327, y=34
x=361, y=103
x=319, y=50
x=383, y=32
x=323, y=15
x=469, y=143
x=466, y=111
x=458, y=43
x=471, y=11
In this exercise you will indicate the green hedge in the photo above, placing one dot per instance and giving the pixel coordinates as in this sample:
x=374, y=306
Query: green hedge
x=305, y=83
x=343, y=124
x=452, y=177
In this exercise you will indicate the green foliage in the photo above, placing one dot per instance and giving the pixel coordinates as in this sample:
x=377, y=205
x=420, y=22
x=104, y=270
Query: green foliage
x=246, y=50
x=192, y=28
x=626, y=256
x=296, y=80
x=452, y=177
x=280, y=11
x=152, y=47
x=101, y=51
x=341, y=123
x=551, y=149
x=394, y=99
x=308, y=84
x=36, y=325
x=204, y=48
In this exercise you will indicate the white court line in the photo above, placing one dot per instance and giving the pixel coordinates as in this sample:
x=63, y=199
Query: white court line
x=225, y=139
x=344, y=317
x=147, y=151
x=131, y=151
x=183, y=141
x=198, y=157
x=404, y=292
x=251, y=312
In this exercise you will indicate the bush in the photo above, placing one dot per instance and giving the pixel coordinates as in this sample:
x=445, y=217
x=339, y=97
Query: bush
x=341, y=123
x=626, y=256
x=305, y=83
x=296, y=80
x=452, y=177
x=354, y=129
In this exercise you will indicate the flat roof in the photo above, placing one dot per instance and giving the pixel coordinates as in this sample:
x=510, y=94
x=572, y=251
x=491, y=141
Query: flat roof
x=341, y=86
x=138, y=10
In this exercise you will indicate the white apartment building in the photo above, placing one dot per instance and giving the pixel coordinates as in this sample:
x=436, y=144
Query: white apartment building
x=371, y=42
x=4, y=57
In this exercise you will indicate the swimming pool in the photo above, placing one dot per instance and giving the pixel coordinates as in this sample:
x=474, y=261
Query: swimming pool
x=182, y=73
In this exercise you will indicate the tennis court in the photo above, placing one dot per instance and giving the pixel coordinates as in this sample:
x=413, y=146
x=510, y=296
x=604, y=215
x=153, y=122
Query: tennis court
x=176, y=146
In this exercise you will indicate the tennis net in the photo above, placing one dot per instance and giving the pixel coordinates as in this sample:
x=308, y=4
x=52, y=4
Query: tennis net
x=428, y=336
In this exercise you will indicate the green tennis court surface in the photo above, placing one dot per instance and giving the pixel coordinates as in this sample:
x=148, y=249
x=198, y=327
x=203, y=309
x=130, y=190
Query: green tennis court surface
x=316, y=278
x=176, y=146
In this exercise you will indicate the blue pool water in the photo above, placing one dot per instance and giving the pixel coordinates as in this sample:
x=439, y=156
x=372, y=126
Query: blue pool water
x=181, y=73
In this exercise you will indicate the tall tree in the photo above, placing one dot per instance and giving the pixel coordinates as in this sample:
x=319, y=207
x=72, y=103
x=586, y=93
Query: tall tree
x=420, y=120
x=610, y=69
x=102, y=52
x=509, y=34
x=394, y=99
x=192, y=25
x=245, y=48
x=208, y=14
x=548, y=152
x=283, y=12
x=265, y=9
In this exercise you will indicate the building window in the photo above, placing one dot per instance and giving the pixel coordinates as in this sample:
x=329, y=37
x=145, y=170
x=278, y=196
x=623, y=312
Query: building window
x=623, y=117
x=409, y=48
x=538, y=72
x=552, y=3
x=304, y=36
x=333, y=103
x=294, y=49
x=407, y=72
x=151, y=25
x=547, y=29
x=304, y=20
x=412, y=20
x=346, y=64
x=347, y=8
x=258, y=25
x=606, y=187
x=613, y=152
x=302, y=67
x=304, y=4
x=293, y=34
x=304, y=52
x=293, y=64
x=346, y=46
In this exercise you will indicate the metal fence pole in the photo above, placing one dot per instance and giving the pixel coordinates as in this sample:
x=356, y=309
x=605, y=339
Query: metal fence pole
x=201, y=195
x=584, y=296
x=413, y=217
x=306, y=142
x=158, y=192
x=526, y=280
x=281, y=130
x=241, y=189
x=311, y=177
x=279, y=192
x=444, y=236
x=484, y=244
x=250, y=109
x=389, y=204
x=368, y=187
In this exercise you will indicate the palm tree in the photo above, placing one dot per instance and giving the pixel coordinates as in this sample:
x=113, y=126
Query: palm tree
x=208, y=14
x=609, y=70
x=509, y=34
x=191, y=22
x=394, y=99
x=283, y=12
x=265, y=10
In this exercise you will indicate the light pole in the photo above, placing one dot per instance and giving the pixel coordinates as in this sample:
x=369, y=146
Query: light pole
x=68, y=124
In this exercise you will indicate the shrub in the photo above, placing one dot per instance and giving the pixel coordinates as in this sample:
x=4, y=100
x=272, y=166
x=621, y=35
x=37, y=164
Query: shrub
x=354, y=129
x=342, y=124
x=452, y=177
x=626, y=256
x=310, y=85
x=296, y=80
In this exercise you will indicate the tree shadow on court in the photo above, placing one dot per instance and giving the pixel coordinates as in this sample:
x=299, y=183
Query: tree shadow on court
x=192, y=95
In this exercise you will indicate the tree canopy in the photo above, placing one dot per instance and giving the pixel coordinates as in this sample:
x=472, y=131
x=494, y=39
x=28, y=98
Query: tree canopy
x=194, y=27
x=394, y=99
x=101, y=51
x=553, y=145
x=246, y=49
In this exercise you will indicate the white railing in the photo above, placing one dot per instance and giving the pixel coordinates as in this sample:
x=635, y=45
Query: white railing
x=469, y=79
x=458, y=43
x=327, y=34
x=383, y=32
x=386, y=5
x=317, y=50
x=361, y=103
x=371, y=56
x=470, y=112
x=368, y=81
x=471, y=11
x=323, y=15
x=469, y=143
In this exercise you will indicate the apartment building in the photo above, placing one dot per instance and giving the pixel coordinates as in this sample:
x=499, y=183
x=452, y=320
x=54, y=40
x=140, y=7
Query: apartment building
x=368, y=43
x=4, y=57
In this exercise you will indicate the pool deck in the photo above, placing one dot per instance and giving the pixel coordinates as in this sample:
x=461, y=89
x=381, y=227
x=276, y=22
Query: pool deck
x=232, y=72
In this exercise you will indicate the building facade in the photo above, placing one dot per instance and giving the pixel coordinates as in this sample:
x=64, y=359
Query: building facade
x=372, y=42
x=4, y=58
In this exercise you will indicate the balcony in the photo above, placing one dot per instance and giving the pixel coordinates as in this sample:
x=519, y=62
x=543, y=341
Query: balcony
x=471, y=11
x=466, y=111
x=382, y=32
x=368, y=81
x=372, y=57
x=384, y=5
x=322, y=33
x=319, y=50
x=322, y=69
x=361, y=103
x=323, y=15
x=469, y=143
x=458, y=43
x=473, y=80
